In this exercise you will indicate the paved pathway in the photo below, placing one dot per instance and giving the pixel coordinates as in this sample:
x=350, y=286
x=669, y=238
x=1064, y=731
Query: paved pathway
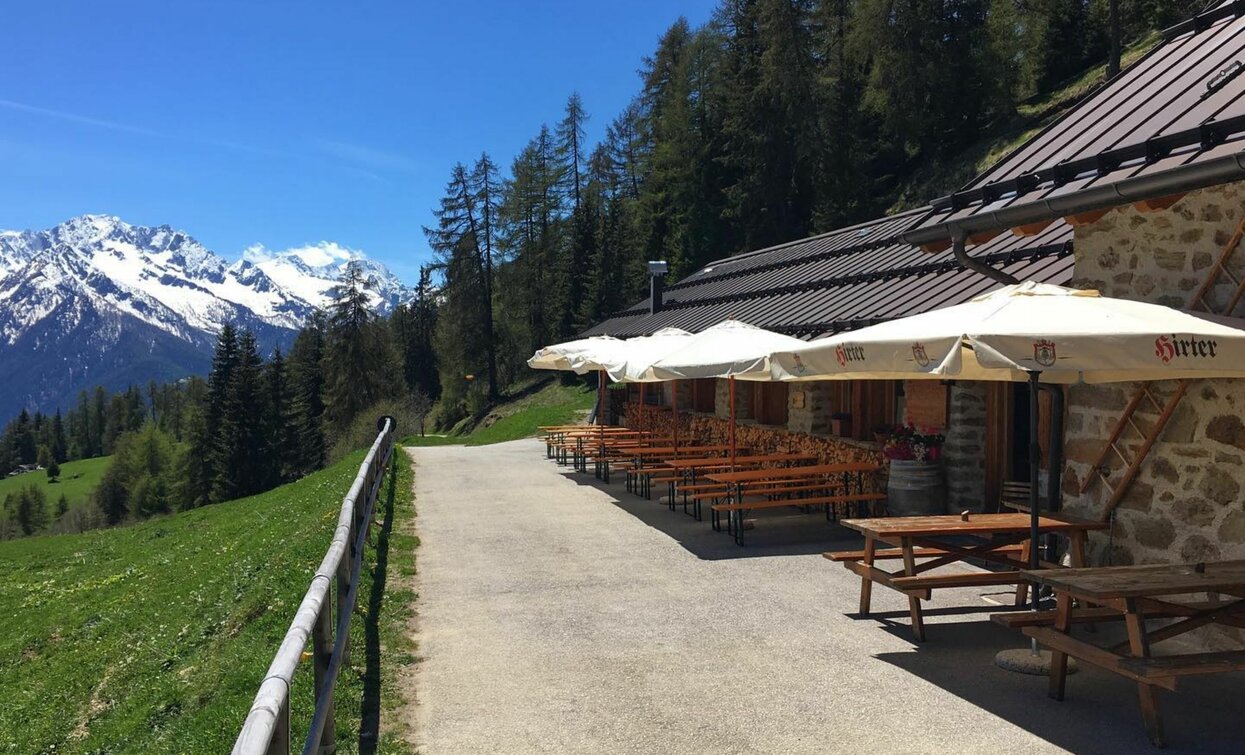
x=558, y=615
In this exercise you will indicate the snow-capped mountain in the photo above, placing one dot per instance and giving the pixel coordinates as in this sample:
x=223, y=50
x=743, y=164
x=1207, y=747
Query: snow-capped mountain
x=96, y=300
x=312, y=272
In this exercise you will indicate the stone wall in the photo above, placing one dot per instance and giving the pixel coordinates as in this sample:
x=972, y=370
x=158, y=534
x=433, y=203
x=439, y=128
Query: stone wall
x=965, y=451
x=809, y=408
x=1187, y=503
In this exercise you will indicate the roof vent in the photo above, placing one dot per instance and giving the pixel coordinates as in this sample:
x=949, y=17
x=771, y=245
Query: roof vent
x=657, y=285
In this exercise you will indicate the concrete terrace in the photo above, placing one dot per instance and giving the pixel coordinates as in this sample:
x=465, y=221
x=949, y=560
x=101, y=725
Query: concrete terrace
x=557, y=614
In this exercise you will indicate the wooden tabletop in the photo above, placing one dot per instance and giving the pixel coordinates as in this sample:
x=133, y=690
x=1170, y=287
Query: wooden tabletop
x=976, y=524
x=815, y=470
x=725, y=461
x=658, y=450
x=1145, y=581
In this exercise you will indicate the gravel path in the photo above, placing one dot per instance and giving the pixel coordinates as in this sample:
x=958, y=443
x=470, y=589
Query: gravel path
x=560, y=615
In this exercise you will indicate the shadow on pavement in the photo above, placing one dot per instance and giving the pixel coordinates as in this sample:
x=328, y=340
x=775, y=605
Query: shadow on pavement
x=777, y=532
x=1099, y=714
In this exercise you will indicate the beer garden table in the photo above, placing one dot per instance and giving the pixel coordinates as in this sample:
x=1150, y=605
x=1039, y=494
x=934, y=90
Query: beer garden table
x=688, y=469
x=947, y=539
x=1135, y=593
x=782, y=481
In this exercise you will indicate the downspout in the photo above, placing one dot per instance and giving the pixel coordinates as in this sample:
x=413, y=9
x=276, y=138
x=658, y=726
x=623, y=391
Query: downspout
x=961, y=256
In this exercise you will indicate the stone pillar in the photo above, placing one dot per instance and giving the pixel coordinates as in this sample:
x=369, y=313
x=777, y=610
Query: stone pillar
x=684, y=391
x=964, y=452
x=808, y=408
x=743, y=399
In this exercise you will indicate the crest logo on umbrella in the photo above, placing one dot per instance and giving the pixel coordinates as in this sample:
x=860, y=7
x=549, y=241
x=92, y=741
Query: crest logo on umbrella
x=799, y=364
x=918, y=354
x=1044, y=352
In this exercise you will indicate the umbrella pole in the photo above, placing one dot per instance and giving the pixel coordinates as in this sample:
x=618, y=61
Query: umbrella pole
x=601, y=397
x=1031, y=660
x=674, y=414
x=639, y=416
x=731, y=385
x=1034, y=499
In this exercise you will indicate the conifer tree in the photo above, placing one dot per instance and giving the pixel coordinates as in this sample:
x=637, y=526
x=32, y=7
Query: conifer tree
x=307, y=384
x=278, y=436
x=60, y=444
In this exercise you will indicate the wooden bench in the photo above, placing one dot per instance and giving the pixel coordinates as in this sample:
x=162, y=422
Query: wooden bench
x=840, y=556
x=1163, y=667
x=735, y=511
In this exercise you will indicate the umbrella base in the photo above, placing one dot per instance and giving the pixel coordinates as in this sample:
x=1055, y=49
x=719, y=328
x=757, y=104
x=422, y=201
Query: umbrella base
x=1025, y=661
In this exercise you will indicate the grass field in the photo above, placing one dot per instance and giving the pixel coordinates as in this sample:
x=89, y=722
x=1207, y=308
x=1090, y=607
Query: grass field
x=154, y=638
x=554, y=404
x=77, y=481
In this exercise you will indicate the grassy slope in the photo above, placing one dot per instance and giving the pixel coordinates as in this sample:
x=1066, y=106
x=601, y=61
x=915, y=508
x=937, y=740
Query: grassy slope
x=554, y=404
x=77, y=481
x=154, y=638
x=937, y=178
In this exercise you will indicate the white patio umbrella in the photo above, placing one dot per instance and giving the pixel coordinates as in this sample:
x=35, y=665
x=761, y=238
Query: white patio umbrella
x=1064, y=335
x=730, y=349
x=582, y=356
x=632, y=365
x=1029, y=332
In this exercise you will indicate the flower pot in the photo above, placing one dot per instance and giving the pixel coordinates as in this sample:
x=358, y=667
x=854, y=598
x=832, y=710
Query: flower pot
x=915, y=488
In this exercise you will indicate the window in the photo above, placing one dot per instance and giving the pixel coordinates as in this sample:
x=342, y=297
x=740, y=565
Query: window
x=704, y=395
x=769, y=403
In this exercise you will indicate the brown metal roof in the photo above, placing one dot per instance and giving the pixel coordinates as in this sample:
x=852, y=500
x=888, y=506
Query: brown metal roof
x=843, y=279
x=1172, y=122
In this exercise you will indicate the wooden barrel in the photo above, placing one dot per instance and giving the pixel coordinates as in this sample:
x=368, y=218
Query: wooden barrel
x=915, y=488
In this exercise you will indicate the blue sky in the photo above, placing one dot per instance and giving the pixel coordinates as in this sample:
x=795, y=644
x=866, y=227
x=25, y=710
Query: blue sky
x=288, y=123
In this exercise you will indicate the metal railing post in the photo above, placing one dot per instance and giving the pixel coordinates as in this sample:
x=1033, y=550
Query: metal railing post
x=322, y=654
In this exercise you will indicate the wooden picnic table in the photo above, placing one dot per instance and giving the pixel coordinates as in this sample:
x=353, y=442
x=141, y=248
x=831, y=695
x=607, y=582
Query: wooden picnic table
x=1134, y=594
x=684, y=471
x=812, y=482
x=604, y=448
x=999, y=539
x=641, y=454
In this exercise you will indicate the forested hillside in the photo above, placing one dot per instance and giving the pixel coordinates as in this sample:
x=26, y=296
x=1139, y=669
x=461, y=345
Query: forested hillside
x=776, y=120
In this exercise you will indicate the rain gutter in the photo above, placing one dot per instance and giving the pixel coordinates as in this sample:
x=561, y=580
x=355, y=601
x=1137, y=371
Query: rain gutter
x=1199, y=175
x=961, y=256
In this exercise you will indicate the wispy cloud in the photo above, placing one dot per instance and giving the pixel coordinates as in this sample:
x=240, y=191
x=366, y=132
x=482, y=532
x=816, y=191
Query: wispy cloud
x=127, y=128
x=367, y=157
x=81, y=119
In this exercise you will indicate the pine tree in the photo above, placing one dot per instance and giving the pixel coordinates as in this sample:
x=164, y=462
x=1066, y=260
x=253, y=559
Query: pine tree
x=237, y=443
x=307, y=385
x=570, y=139
x=353, y=371
x=60, y=445
x=111, y=498
x=31, y=510
x=278, y=435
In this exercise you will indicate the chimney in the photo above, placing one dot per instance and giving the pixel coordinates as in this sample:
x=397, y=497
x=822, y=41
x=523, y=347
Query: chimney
x=657, y=285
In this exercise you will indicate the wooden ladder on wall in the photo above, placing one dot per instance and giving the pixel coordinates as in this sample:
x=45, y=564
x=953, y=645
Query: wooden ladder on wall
x=1144, y=396
x=1132, y=459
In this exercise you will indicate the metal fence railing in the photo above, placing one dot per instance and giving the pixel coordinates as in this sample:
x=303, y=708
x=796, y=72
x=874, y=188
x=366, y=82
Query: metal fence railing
x=267, y=725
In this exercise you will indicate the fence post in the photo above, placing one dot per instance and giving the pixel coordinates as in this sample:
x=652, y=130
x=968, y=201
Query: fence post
x=280, y=742
x=322, y=654
x=343, y=583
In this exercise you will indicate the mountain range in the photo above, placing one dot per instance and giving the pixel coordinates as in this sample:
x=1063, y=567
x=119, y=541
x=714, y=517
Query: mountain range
x=97, y=301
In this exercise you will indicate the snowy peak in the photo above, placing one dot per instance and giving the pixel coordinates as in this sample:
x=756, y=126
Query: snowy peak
x=73, y=295
x=311, y=272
